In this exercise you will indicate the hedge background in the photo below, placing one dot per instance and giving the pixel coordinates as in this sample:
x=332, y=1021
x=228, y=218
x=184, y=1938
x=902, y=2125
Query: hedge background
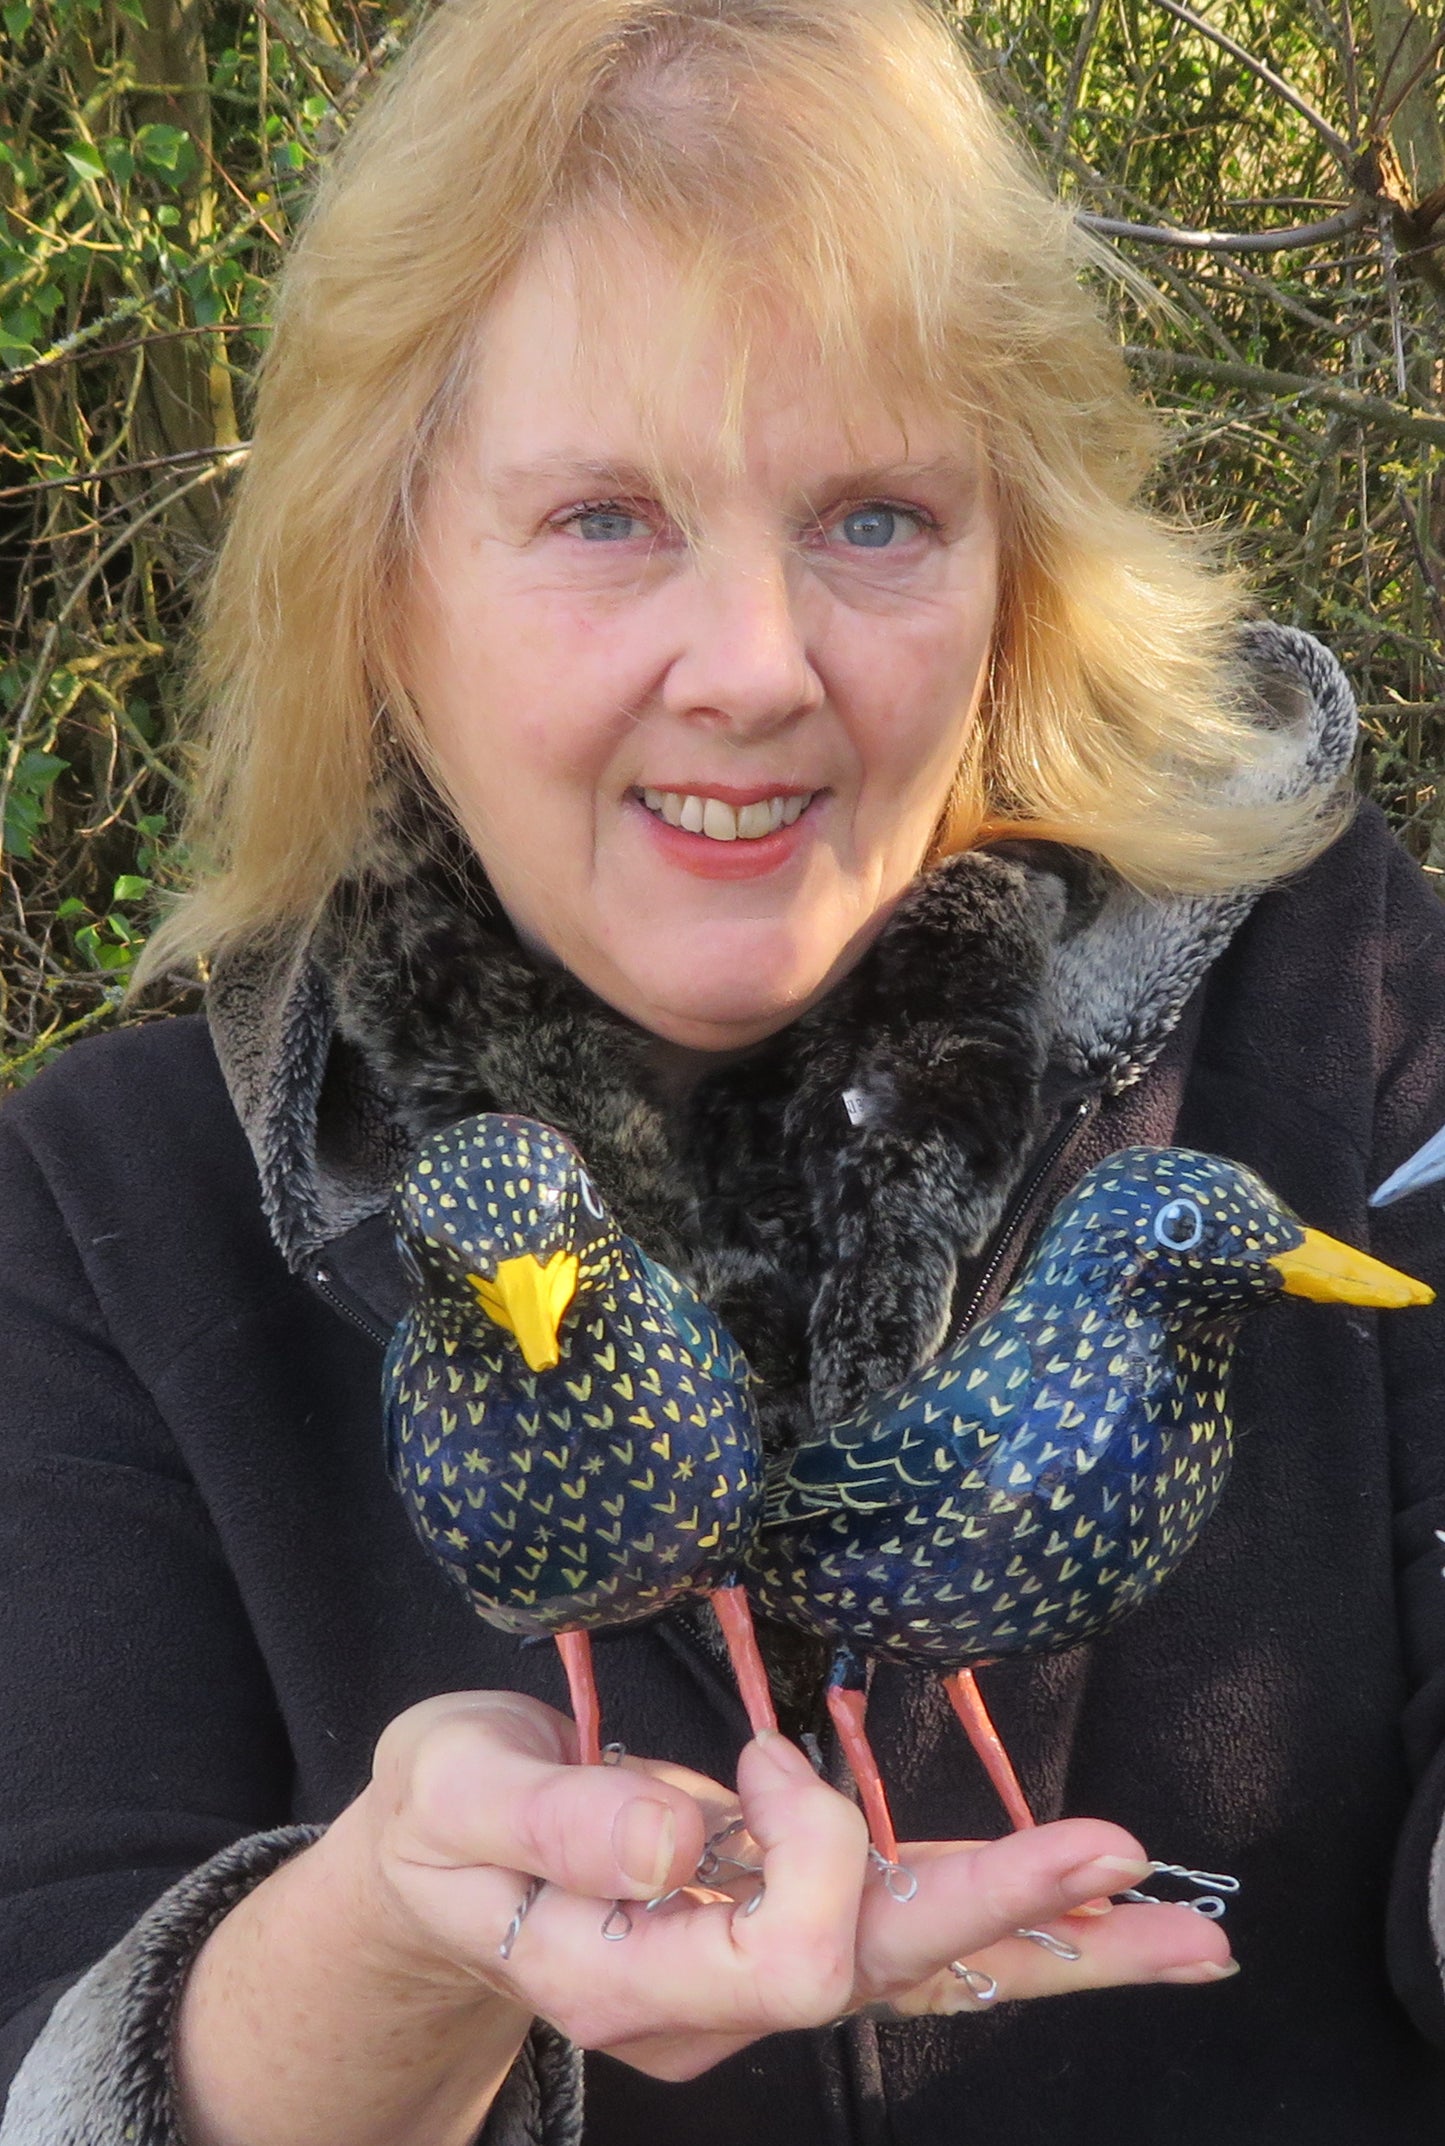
x=1274, y=176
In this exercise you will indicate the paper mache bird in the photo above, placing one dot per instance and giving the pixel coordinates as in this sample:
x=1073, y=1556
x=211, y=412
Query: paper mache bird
x=570, y=1427
x=1047, y=1471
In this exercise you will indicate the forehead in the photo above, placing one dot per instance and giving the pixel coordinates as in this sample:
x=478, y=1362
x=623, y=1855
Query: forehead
x=599, y=357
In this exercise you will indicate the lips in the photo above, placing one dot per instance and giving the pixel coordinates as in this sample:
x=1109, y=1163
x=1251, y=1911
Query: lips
x=718, y=844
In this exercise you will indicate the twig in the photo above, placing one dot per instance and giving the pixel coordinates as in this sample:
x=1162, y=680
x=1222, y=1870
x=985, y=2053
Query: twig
x=1283, y=241
x=1415, y=77
x=1430, y=574
x=10, y=1068
x=1373, y=410
x=137, y=342
x=178, y=460
x=1077, y=65
x=1327, y=134
x=1392, y=293
x=128, y=308
x=46, y=658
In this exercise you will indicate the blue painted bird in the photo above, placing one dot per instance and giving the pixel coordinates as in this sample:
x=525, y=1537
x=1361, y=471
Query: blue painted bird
x=1047, y=1471
x=570, y=1427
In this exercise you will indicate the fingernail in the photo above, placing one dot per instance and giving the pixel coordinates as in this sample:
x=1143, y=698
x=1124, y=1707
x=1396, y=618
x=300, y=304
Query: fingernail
x=644, y=1841
x=1201, y=1971
x=1110, y=1873
x=784, y=1755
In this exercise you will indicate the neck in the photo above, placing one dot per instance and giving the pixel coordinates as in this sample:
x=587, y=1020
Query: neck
x=676, y=1068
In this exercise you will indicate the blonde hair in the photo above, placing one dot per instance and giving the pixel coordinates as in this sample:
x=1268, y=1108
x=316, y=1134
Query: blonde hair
x=836, y=155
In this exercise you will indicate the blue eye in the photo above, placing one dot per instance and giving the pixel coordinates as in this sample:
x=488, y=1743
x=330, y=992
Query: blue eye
x=605, y=525
x=871, y=528
x=1178, y=1226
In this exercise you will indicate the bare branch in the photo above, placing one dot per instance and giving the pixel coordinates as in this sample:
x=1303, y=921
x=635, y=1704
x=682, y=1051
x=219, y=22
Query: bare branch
x=1353, y=218
x=232, y=453
x=1327, y=134
x=1416, y=75
x=46, y=658
x=1375, y=411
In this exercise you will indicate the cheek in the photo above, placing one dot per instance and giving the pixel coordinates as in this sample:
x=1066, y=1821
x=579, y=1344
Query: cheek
x=913, y=703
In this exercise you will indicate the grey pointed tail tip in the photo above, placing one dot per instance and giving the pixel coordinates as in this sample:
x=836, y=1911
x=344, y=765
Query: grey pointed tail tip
x=1425, y=1167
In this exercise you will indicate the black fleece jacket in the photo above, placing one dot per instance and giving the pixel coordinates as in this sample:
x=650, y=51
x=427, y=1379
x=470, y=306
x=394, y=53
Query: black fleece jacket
x=212, y=1600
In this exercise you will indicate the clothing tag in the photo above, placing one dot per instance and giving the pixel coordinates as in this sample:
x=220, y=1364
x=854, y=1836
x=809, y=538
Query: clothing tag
x=856, y=1103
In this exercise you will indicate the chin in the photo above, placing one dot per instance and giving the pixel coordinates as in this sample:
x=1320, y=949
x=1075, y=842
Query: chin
x=726, y=988
x=726, y=1018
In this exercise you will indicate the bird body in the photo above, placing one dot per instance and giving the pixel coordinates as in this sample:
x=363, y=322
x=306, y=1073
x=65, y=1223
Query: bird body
x=588, y=1491
x=1049, y=1469
x=1012, y=1504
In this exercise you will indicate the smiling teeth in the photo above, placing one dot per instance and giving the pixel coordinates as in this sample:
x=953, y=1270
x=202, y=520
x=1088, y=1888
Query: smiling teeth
x=726, y=823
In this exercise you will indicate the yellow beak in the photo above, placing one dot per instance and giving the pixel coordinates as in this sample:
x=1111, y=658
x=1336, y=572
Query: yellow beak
x=530, y=1301
x=1333, y=1273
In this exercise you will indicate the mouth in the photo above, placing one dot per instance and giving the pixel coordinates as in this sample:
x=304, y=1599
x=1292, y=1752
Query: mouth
x=739, y=816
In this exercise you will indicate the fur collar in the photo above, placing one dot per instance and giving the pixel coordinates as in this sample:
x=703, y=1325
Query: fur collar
x=877, y=1138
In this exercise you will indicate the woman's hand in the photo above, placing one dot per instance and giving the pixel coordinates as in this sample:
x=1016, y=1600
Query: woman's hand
x=475, y=1794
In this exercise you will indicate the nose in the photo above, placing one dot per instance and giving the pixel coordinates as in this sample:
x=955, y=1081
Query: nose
x=743, y=662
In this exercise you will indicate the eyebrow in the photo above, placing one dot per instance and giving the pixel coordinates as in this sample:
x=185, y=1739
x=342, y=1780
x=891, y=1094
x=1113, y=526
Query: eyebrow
x=609, y=475
x=604, y=475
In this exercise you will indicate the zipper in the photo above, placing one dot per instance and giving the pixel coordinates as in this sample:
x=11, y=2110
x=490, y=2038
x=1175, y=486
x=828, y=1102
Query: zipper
x=1019, y=1212
x=324, y=1282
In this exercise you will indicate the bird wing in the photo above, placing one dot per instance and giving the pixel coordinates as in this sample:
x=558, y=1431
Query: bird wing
x=921, y=1436
x=698, y=1327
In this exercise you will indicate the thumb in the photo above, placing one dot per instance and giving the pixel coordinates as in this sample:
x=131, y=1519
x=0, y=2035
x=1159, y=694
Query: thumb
x=490, y=1778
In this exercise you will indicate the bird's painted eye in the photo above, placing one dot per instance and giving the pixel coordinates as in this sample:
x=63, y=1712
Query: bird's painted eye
x=589, y=1197
x=1179, y=1225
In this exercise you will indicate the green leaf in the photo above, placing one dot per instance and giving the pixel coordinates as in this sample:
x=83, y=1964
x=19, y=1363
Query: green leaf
x=37, y=771
x=18, y=18
x=34, y=775
x=84, y=162
x=162, y=147
x=130, y=887
x=72, y=906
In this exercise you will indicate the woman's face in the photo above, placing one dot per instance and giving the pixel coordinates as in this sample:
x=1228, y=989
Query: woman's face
x=699, y=766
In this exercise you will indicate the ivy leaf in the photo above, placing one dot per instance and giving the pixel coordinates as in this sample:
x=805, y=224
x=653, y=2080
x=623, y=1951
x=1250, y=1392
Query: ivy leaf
x=165, y=148
x=85, y=163
x=130, y=887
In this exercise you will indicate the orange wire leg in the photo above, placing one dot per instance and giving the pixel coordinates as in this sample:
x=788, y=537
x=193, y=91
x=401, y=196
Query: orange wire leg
x=730, y=1605
x=971, y=1711
x=575, y=1649
x=848, y=1709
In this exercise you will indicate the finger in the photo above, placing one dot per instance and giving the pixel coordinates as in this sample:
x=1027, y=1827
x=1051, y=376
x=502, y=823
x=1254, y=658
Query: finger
x=709, y=1969
x=1168, y=1943
x=488, y=1778
x=800, y=1944
x=971, y=1897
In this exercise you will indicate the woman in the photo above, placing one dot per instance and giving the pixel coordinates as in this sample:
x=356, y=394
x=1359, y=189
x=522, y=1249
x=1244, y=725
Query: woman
x=690, y=499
